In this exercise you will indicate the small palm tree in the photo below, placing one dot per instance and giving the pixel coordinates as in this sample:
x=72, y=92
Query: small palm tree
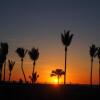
x=34, y=77
x=22, y=52
x=66, y=38
x=10, y=65
x=58, y=73
x=4, y=47
x=99, y=62
x=34, y=55
x=2, y=60
x=93, y=53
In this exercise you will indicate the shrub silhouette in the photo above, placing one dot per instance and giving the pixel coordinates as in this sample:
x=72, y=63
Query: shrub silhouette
x=34, y=77
x=10, y=65
x=58, y=73
x=66, y=38
x=21, y=53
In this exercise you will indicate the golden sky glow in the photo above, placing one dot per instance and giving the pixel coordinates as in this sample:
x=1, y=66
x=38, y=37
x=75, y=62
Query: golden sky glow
x=39, y=24
x=78, y=67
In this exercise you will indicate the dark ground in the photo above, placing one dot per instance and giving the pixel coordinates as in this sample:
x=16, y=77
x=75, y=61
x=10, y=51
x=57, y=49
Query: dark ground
x=15, y=91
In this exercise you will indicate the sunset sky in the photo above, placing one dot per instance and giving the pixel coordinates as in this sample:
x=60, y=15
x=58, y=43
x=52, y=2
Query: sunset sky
x=39, y=23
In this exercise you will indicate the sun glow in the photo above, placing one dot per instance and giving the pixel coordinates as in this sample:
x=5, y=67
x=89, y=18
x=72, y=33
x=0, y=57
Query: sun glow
x=55, y=81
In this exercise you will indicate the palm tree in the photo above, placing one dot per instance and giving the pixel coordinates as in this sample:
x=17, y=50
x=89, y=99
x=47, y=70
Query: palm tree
x=4, y=47
x=34, y=55
x=21, y=53
x=34, y=77
x=58, y=73
x=92, y=52
x=66, y=40
x=10, y=65
x=2, y=60
x=99, y=62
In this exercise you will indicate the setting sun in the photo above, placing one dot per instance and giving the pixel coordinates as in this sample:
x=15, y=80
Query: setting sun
x=55, y=81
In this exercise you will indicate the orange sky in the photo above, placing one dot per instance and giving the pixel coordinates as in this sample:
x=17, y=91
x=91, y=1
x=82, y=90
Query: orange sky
x=78, y=66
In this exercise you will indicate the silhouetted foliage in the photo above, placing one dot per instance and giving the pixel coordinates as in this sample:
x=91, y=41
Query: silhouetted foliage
x=58, y=73
x=98, y=54
x=22, y=52
x=93, y=53
x=66, y=38
x=2, y=60
x=34, y=77
x=34, y=55
x=4, y=47
x=10, y=65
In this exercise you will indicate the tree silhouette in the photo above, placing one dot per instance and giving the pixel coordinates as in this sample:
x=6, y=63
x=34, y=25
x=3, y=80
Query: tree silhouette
x=10, y=65
x=58, y=73
x=99, y=62
x=34, y=55
x=92, y=52
x=2, y=60
x=4, y=47
x=21, y=53
x=34, y=77
x=66, y=38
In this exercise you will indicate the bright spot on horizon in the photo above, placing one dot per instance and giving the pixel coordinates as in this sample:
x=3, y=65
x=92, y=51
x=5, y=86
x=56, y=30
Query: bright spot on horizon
x=55, y=81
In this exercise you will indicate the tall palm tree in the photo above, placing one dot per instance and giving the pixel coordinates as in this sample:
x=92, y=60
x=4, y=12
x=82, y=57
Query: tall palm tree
x=2, y=60
x=92, y=52
x=99, y=62
x=10, y=65
x=58, y=73
x=34, y=55
x=66, y=38
x=21, y=53
x=4, y=47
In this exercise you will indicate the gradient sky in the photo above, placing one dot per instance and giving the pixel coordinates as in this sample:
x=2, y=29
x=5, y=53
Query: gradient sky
x=39, y=23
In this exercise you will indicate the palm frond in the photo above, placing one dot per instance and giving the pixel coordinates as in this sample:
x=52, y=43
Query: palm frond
x=34, y=54
x=66, y=38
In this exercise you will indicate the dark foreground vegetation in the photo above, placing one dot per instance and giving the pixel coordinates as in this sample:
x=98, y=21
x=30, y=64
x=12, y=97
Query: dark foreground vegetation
x=18, y=91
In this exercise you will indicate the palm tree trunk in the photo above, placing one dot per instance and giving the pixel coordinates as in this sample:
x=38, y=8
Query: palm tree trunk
x=4, y=70
x=33, y=70
x=33, y=66
x=58, y=79
x=65, y=65
x=22, y=69
x=99, y=72
x=91, y=72
x=9, y=75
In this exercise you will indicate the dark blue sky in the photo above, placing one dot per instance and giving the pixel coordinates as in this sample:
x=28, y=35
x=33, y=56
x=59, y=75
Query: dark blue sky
x=39, y=23
x=43, y=20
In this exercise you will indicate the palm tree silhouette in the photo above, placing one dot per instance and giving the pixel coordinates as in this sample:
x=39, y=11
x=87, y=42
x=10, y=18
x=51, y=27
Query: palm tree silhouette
x=93, y=54
x=99, y=62
x=10, y=65
x=21, y=53
x=4, y=47
x=66, y=40
x=34, y=77
x=34, y=55
x=2, y=60
x=58, y=73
